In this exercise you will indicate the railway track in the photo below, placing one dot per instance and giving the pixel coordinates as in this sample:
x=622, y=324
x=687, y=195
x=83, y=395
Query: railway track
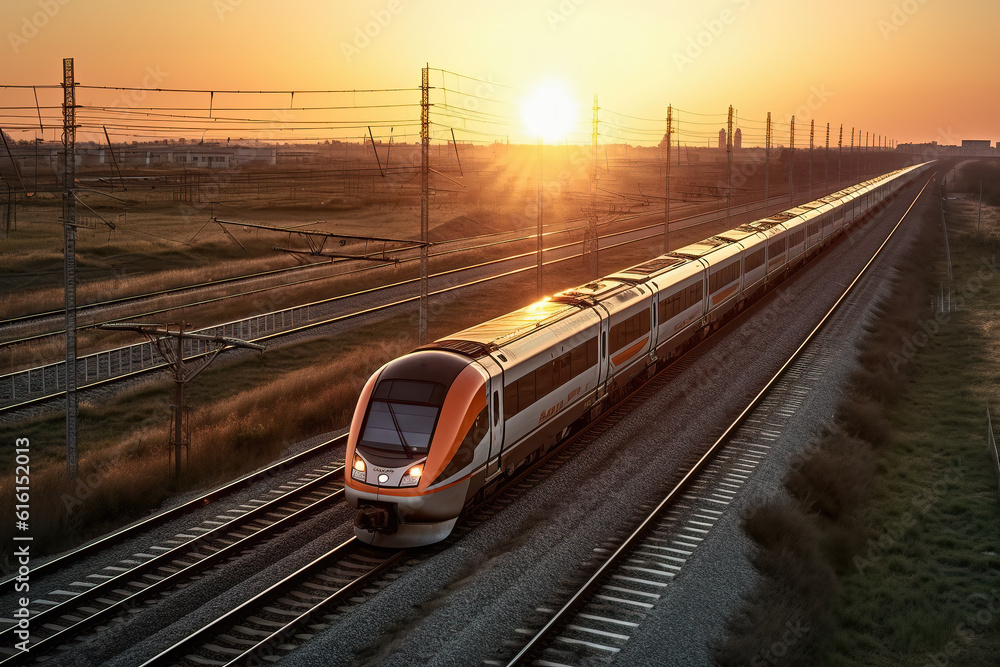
x=520, y=235
x=59, y=626
x=122, y=359
x=204, y=500
x=305, y=599
x=597, y=620
x=275, y=621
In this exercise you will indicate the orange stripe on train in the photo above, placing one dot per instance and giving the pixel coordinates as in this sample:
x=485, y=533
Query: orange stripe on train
x=623, y=357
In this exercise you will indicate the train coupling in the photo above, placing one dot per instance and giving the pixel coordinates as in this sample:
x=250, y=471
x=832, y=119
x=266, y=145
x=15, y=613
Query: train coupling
x=373, y=517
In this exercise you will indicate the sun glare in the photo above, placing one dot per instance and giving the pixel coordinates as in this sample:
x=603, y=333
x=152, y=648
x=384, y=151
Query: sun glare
x=549, y=113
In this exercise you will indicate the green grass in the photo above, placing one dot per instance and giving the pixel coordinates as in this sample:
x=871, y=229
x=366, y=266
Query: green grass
x=933, y=522
x=898, y=502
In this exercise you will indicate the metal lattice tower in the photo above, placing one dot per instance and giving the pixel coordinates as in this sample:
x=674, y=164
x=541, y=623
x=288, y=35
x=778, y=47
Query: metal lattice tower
x=425, y=148
x=826, y=161
x=812, y=146
x=592, y=237
x=791, y=159
x=666, y=210
x=170, y=345
x=767, y=160
x=69, y=235
x=729, y=162
x=840, y=153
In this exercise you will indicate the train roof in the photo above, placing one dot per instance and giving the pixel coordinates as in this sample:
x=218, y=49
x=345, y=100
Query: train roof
x=646, y=270
x=481, y=339
x=701, y=248
x=737, y=233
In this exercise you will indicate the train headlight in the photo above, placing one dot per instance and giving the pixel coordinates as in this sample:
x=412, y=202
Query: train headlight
x=358, y=469
x=413, y=475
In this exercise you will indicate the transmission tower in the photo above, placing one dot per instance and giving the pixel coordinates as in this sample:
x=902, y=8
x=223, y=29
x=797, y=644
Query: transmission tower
x=791, y=158
x=666, y=210
x=69, y=236
x=593, y=240
x=812, y=146
x=729, y=162
x=425, y=148
x=170, y=345
x=826, y=162
x=767, y=160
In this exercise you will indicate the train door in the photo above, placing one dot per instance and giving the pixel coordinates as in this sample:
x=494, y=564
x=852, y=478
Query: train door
x=603, y=361
x=495, y=399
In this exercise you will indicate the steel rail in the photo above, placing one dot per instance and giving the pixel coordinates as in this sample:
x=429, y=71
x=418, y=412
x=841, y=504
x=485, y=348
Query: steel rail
x=60, y=611
x=221, y=281
x=210, y=630
x=169, y=515
x=623, y=549
x=122, y=376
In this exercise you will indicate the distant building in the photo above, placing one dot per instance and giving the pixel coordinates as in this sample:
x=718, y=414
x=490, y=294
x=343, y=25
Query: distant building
x=738, y=139
x=722, y=138
x=976, y=143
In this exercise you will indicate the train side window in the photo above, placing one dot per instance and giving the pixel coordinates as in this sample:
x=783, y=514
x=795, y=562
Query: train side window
x=496, y=408
x=544, y=383
x=525, y=391
x=565, y=373
x=510, y=400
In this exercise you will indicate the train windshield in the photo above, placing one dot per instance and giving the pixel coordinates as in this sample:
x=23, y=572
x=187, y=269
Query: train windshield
x=401, y=416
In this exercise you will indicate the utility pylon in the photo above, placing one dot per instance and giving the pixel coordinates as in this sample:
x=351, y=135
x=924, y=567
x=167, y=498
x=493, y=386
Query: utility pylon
x=791, y=158
x=812, y=137
x=69, y=237
x=840, y=154
x=767, y=160
x=826, y=162
x=666, y=209
x=592, y=237
x=729, y=162
x=170, y=345
x=856, y=166
x=425, y=150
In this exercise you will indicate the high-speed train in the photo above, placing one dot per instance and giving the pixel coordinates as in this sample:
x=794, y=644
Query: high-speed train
x=438, y=428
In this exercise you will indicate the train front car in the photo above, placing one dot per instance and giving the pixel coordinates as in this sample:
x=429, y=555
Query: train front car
x=420, y=421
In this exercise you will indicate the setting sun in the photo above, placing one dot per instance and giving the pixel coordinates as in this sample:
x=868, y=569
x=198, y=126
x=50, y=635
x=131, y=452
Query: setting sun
x=549, y=112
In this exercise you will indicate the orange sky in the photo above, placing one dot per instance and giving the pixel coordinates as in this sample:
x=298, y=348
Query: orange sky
x=919, y=70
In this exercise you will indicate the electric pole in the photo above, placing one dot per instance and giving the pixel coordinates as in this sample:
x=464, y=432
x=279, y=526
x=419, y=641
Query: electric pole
x=767, y=160
x=812, y=136
x=729, y=162
x=593, y=238
x=425, y=148
x=840, y=155
x=791, y=158
x=69, y=236
x=184, y=372
x=666, y=209
x=826, y=162
x=538, y=219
